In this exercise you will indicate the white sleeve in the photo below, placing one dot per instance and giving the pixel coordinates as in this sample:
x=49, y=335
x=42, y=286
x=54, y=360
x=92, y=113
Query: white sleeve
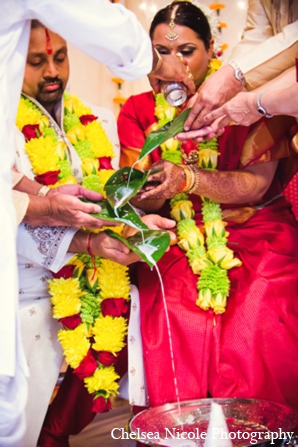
x=269, y=58
x=45, y=246
x=260, y=54
x=105, y=31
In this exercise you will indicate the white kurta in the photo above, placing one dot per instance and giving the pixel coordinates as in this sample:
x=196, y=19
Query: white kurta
x=108, y=33
x=270, y=40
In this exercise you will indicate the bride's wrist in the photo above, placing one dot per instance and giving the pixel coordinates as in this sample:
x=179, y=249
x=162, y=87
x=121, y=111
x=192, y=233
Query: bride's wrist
x=192, y=179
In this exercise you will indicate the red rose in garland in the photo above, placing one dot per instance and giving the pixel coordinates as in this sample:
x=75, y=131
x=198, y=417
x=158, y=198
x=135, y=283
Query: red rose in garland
x=107, y=358
x=87, y=366
x=86, y=119
x=65, y=272
x=31, y=131
x=101, y=405
x=71, y=322
x=105, y=163
x=114, y=307
x=48, y=178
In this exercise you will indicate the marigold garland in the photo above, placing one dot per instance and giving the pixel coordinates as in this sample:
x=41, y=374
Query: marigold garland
x=90, y=296
x=208, y=254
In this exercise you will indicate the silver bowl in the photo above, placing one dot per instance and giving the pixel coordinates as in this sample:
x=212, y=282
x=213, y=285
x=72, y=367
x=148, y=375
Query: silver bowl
x=250, y=422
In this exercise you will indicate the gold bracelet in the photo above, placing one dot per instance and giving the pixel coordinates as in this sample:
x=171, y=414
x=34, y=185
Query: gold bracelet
x=188, y=178
x=43, y=191
x=196, y=174
x=158, y=64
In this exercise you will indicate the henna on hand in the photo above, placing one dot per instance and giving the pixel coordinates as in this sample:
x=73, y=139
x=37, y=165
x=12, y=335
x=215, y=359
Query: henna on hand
x=171, y=179
x=228, y=186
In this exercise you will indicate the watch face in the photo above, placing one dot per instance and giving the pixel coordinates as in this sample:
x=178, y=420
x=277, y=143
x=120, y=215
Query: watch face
x=261, y=110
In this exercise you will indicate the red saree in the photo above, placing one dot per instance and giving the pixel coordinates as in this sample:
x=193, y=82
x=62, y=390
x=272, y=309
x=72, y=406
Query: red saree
x=251, y=351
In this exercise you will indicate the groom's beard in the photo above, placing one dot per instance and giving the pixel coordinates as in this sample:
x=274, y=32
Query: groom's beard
x=49, y=91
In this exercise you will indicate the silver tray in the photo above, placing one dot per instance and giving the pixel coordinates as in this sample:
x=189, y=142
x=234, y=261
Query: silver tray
x=253, y=421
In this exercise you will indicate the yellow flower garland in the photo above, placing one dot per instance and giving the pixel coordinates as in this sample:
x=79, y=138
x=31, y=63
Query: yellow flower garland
x=84, y=294
x=208, y=254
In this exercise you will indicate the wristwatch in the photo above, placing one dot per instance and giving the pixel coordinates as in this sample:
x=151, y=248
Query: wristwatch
x=238, y=73
x=262, y=111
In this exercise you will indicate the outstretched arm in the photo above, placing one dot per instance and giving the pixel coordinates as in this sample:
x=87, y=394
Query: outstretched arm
x=260, y=56
x=219, y=88
x=280, y=97
x=238, y=186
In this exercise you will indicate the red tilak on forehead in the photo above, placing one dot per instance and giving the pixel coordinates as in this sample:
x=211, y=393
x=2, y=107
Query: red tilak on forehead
x=49, y=49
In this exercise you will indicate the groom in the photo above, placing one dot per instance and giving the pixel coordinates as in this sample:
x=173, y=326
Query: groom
x=46, y=76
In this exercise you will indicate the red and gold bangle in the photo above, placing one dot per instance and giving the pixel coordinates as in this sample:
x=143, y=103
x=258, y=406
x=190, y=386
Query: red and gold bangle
x=192, y=178
x=188, y=178
x=182, y=187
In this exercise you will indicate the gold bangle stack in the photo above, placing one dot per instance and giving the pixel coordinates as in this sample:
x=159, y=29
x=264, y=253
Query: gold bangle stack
x=192, y=178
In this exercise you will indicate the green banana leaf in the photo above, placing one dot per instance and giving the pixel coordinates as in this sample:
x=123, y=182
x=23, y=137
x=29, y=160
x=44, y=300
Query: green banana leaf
x=126, y=214
x=157, y=137
x=123, y=185
x=150, y=245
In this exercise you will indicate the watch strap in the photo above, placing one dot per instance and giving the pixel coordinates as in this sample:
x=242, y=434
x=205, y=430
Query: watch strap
x=238, y=73
x=262, y=111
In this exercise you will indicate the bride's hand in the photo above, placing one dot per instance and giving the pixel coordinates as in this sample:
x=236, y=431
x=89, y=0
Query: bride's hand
x=171, y=180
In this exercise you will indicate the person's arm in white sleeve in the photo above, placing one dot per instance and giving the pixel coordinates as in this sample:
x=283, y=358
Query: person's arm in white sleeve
x=257, y=29
x=263, y=54
x=258, y=58
x=61, y=206
x=269, y=58
x=45, y=246
x=278, y=97
x=53, y=247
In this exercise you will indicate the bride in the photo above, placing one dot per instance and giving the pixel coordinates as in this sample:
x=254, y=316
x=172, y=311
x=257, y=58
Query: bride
x=234, y=334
